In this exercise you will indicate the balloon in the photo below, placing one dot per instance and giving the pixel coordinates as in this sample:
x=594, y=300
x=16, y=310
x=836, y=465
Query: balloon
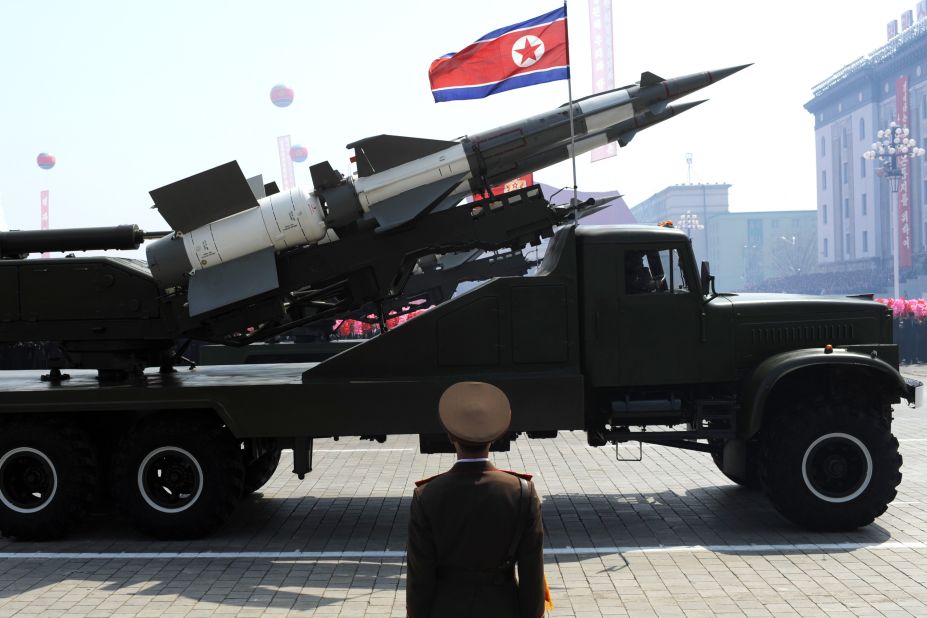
x=298, y=153
x=281, y=96
x=45, y=160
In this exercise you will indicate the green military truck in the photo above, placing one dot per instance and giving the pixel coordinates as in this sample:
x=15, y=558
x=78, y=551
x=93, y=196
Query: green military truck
x=619, y=334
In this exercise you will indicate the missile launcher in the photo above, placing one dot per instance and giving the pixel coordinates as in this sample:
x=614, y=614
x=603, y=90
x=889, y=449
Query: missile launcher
x=245, y=261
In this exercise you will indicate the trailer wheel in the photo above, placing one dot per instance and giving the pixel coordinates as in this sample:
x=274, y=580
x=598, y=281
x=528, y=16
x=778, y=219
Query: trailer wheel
x=177, y=479
x=259, y=471
x=48, y=478
x=830, y=466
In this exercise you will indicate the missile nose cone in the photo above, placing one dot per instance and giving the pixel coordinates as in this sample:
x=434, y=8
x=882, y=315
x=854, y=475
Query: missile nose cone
x=720, y=74
x=680, y=86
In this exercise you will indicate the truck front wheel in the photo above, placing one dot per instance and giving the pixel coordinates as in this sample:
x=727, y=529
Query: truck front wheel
x=830, y=466
x=48, y=477
x=177, y=479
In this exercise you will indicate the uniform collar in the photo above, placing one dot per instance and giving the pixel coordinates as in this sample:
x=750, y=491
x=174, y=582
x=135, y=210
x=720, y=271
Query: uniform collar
x=469, y=466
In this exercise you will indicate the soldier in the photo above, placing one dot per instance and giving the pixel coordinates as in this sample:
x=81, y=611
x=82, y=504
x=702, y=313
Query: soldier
x=472, y=525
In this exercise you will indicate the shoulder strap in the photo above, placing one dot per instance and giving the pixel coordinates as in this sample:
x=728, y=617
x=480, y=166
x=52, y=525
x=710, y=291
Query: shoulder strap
x=523, y=499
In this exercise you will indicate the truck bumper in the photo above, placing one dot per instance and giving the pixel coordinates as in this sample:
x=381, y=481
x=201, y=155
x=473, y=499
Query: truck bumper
x=914, y=392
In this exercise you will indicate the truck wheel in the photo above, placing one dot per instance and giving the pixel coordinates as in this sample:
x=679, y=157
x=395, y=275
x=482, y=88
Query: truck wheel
x=48, y=477
x=830, y=466
x=259, y=471
x=177, y=479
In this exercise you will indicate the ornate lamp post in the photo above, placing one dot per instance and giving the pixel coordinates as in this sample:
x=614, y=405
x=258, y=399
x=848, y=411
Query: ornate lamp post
x=893, y=144
x=690, y=221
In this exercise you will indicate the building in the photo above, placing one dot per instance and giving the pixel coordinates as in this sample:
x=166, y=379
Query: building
x=744, y=248
x=690, y=207
x=853, y=202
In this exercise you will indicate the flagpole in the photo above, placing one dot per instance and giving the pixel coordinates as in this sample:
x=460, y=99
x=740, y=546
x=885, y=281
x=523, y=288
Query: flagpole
x=570, y=96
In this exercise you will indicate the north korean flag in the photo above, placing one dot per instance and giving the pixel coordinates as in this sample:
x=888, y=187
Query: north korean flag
x=531, y=52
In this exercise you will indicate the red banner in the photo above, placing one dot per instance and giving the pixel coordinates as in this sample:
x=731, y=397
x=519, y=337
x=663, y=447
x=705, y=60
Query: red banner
x=603, y=61
x=44, y=213
x=287, y=174
x=516, y=183
x=904, y=186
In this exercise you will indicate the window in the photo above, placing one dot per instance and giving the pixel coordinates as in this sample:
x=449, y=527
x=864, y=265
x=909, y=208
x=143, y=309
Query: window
x=846, y=207
x=846, y=172
x=848, y=245
x=824, y=212
x=924, y=106
x=865, y=241
x=862, y=129
x=823, y=180
x=825, y=247
x=653, y=271
x=862, y=168
x=823, y=147
x=863, y=204
x=843, y=140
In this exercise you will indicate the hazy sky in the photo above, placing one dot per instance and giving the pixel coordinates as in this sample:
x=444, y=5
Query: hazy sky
x=130, y=96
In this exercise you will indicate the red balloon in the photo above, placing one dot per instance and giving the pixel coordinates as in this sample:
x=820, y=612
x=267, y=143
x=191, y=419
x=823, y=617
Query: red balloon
x=281, y=95
x=298, y=153
x=45, y=160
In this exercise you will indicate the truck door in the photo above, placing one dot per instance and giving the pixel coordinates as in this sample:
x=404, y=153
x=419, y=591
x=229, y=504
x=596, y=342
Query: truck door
x=658, y=317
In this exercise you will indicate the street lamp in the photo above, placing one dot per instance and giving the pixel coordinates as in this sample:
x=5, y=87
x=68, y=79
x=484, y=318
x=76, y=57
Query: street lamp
x=690, y=221
x=893, y=144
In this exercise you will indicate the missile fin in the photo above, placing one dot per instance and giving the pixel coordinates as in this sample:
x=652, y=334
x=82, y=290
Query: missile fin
x=413, y=203
x=232, y=281
x=271, y=188
x=205, y=197
x=257, y=186
x=650, y=79
x=382, y=152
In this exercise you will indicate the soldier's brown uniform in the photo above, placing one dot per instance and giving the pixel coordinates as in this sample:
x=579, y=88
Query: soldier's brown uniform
x=461, y=528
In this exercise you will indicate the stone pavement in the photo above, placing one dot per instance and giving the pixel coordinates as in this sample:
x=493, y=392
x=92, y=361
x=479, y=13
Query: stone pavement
x=667, y=536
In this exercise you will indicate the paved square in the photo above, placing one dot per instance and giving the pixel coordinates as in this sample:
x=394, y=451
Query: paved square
x=667, y=536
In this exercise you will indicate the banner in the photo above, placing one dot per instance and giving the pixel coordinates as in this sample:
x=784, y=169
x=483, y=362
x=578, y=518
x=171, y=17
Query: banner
x=287, y=175
x=603, y=60
x=904, y=185
x=43, y=213
x=516, y=183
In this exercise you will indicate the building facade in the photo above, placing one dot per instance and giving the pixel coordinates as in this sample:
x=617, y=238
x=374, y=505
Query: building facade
x=853, y=202
x=744, y=248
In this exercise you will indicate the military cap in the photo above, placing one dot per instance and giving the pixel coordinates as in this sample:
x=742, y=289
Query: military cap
x=475, y=412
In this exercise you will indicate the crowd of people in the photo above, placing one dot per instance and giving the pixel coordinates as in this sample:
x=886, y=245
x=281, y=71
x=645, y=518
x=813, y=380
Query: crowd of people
x=849, y=282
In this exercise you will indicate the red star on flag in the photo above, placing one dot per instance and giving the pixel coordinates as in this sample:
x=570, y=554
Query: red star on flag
x=527, y=52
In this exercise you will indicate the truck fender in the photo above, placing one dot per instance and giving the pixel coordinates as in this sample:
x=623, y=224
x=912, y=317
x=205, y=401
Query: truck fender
x=767, y=374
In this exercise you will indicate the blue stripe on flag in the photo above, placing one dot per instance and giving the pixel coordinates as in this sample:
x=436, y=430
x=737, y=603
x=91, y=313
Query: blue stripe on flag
x=540, y=20
x=484, y=90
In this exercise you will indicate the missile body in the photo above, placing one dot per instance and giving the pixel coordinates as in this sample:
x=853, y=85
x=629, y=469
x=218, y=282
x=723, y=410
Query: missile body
x=228, y=228
x=439, y=177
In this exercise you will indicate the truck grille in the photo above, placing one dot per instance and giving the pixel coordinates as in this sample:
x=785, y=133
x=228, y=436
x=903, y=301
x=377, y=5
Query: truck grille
x=798, y=335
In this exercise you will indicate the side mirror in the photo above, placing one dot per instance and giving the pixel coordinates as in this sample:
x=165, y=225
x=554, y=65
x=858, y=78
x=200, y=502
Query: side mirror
x=707, y=280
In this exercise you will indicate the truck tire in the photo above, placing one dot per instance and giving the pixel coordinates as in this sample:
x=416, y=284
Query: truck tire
x=830, y=466
x=177, y=479
x=48, y=478
x=259, y=471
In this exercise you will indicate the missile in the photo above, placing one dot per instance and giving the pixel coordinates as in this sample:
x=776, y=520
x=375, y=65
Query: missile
x=228, y=229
